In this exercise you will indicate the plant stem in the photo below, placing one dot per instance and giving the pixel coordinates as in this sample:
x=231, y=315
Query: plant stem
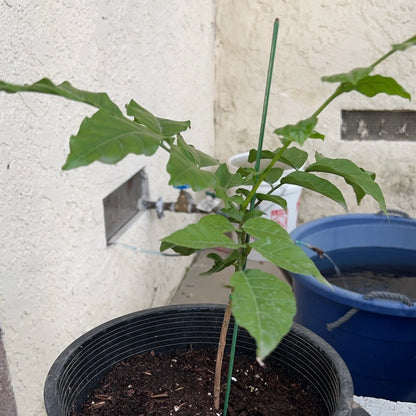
x=260, y=179
x=383, y=58
x=331, y=98
x=220, y=355
x=163, y=146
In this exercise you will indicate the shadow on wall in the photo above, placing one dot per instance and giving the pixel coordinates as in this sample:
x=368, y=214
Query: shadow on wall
x=7, y=402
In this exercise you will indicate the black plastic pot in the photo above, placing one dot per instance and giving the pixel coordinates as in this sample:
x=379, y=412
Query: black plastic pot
x=81, y=366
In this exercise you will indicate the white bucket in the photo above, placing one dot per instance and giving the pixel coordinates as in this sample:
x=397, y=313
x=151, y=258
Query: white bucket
x=291, y=193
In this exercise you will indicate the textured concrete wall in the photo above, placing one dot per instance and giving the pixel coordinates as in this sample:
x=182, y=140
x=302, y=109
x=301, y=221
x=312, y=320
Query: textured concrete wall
x=58, y=277
x=316, y=38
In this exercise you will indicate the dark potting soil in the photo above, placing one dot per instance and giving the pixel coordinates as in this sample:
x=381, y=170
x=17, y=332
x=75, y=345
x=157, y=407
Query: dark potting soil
x=181, y=384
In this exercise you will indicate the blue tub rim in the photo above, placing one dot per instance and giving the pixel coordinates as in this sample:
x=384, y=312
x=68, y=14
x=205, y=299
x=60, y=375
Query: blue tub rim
x=344, y=296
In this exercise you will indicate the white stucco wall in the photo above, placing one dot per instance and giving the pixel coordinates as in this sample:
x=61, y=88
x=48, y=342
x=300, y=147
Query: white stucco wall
x=58, y=277
x=316, y=38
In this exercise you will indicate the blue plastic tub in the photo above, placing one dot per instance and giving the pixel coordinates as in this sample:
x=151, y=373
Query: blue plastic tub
x=375, y=337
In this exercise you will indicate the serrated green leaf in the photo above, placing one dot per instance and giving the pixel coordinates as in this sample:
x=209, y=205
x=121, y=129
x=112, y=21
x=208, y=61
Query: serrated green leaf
x=99, y=100
x=359, y=179
x=274, y=243
x=184, y=167
x=108, y=138
x=316, y=184
x=263, y=305
x=276, y=199
x=299, y=132
x=207, y=233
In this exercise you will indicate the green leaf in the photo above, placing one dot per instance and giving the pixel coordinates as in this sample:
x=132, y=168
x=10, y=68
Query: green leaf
x=163, y=126
x=299, y=132
x=317, y=184
x=248, y=174
x=372, y=85
x=265, y=154
x=143, y=116
x=361, y=181
x=66, y=90
x=207, y=233
x=276, y=199
x=221, y=263
x=359, y=192
x=237, y=199
x=377, y=84
x=360, y=80
x=352, y=77
x=292, y=156
x=233, y=213
x=263, y=305
x=171, y=127
x=199, y=158
x=274, y=175
x=108, y=138
x=184, y=167
x=255, y=213
x=243, y=191
x=183, y=251
x=274, y=243
x=227, y=180
x=405, y=45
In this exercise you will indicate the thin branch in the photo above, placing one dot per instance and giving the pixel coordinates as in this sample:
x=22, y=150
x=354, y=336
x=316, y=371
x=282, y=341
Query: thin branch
x=220, y=355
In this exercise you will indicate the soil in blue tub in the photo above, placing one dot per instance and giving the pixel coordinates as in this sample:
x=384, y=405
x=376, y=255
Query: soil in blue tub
x=367, y=269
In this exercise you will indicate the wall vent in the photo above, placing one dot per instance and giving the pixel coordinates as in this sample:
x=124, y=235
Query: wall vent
x=123, y=203
x=378, y=125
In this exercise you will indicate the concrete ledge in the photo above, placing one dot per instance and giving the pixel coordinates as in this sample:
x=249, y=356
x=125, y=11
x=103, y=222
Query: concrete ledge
x=381, y=407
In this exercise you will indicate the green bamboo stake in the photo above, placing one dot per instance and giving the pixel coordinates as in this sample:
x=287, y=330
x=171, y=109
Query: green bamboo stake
x=252, y=202
x=266, y=95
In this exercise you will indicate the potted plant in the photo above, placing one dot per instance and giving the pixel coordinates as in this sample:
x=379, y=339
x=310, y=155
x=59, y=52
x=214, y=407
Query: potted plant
x=259, y=302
